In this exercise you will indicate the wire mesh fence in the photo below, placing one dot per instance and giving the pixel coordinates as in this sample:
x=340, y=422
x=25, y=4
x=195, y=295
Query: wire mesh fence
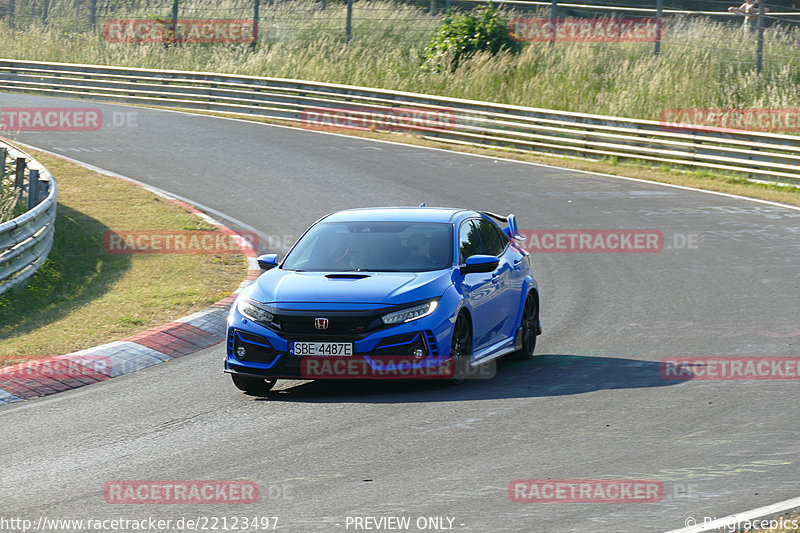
x=631, y=58
x=761, y=34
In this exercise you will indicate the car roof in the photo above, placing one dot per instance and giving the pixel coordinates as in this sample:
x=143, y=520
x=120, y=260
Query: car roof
x=400, y=214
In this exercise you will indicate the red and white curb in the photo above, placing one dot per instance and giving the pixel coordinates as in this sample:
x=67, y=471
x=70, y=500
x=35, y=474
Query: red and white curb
x=186, y=335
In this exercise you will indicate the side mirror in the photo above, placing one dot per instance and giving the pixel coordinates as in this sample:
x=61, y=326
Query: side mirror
x=267, y=261
x=480, y=264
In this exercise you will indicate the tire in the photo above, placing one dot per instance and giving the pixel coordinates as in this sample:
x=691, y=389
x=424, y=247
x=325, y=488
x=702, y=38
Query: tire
x=528, y=322
x=253, y=386
x=460, y=348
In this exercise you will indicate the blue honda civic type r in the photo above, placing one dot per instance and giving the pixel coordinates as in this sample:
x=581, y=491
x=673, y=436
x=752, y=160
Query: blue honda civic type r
x=384, y=293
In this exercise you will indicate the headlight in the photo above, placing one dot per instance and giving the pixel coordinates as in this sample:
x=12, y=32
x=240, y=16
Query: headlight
x=409, y=314
x=254, y=312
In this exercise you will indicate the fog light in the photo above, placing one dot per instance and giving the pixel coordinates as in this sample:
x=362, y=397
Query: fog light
x=418, y=352
x=241, y=352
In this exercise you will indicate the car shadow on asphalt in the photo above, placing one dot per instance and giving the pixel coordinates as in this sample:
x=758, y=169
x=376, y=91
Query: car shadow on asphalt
x=544, y=375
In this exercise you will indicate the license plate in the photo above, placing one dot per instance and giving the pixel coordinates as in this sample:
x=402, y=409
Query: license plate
x=322, y=348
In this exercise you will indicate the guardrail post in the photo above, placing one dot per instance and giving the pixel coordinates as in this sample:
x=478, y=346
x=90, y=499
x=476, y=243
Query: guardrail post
x=349, y=21
x=433, y=7
x=760, y=41
x=19, y=172
x=33, y=188
x=11, y=9
x=3, y=156
x=659, y=10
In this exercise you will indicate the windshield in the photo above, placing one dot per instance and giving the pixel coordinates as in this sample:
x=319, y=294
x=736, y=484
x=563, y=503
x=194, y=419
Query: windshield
x=373, y=247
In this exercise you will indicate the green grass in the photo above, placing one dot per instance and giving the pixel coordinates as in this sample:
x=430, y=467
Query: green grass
x=703, y=63
x=83, y=296
x=11, y=204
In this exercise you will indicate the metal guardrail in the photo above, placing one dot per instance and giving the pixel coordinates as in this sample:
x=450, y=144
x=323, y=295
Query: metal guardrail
x=26, y=240
x=465, y=122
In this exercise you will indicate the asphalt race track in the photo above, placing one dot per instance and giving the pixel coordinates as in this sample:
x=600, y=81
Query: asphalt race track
x=591, y=405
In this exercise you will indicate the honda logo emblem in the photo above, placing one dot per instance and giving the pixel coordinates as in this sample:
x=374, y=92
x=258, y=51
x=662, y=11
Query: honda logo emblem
x=321, y=323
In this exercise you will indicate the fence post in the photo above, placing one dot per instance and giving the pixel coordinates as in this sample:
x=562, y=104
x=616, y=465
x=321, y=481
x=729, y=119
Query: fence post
x=553, y=20
x=256, y=5
x=19, y=173
x=174, y=20
x=45, y=9
x=659, y=15
x=11, y=8
x=3, y=155
x=349, y=23
x=33, y=188
x=433, y=7
x=760, y=41
x=92, y=14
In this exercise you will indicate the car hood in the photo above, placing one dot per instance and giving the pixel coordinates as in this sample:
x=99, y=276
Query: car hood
x=280, y=287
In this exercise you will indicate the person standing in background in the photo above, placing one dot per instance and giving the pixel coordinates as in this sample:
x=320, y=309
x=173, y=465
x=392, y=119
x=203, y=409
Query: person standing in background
x=750, y=11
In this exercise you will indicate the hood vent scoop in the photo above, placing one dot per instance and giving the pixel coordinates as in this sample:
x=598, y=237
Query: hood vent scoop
x=347, y=276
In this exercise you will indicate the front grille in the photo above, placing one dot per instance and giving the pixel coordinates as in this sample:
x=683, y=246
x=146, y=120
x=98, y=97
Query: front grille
x=302, y=326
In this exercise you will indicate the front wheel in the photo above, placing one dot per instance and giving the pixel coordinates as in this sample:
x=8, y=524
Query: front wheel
x=460, y=348
x=528, y=326
x=254, y=386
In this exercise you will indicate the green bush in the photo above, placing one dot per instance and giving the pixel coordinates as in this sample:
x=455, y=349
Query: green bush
x=484, y=29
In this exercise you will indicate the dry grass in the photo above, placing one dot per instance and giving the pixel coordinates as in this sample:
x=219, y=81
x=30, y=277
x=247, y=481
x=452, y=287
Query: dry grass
x=703, y=63
x=83, y=296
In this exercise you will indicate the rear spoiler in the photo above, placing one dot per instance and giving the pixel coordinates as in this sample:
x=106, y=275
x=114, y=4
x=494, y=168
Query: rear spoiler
x=511, y=229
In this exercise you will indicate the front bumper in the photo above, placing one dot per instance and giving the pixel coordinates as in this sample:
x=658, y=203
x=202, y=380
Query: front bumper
x=392, y=352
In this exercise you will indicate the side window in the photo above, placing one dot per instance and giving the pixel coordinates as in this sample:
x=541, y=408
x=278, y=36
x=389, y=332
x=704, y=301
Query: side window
x=493, y=242
x=469, y=242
